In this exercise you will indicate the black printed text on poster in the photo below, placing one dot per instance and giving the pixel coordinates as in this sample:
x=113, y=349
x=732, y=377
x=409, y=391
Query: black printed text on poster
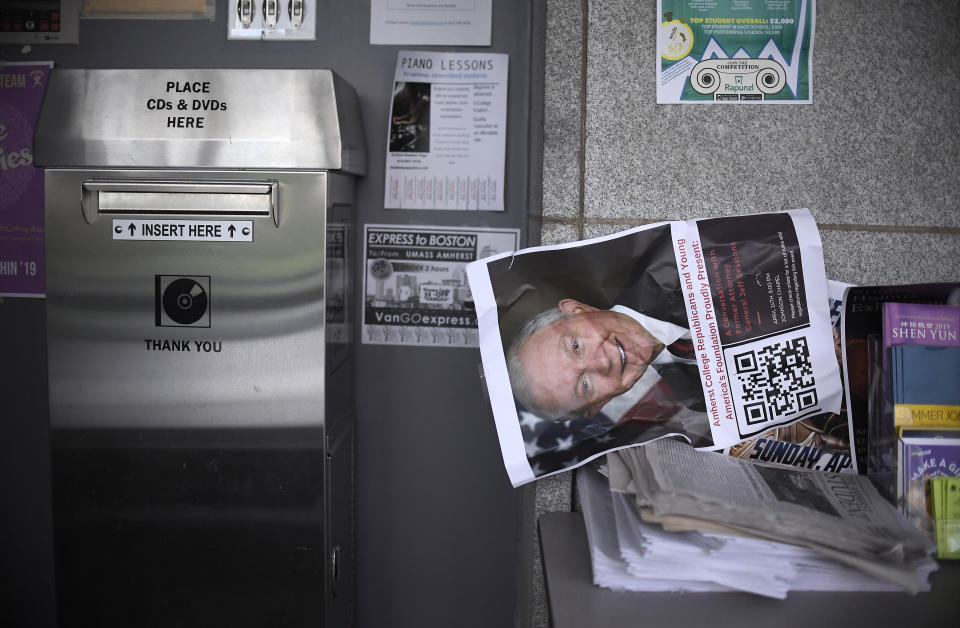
x=755, y=275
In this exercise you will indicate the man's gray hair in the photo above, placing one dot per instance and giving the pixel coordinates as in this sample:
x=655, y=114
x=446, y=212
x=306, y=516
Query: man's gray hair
x=519, y=381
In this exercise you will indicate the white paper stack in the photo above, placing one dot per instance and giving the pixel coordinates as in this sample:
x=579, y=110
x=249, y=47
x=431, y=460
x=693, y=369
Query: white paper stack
x=629, y=553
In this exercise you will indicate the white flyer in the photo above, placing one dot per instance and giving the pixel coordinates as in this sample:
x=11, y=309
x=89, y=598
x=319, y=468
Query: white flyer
x=447, y=132
x=431, y=23
x=415, y=282
x=714, y=330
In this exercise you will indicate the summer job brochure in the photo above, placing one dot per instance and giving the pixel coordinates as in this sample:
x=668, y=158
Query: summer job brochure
x=735, y=51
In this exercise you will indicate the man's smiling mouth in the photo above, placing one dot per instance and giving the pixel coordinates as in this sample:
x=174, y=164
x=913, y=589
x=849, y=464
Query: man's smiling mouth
x=623, y=356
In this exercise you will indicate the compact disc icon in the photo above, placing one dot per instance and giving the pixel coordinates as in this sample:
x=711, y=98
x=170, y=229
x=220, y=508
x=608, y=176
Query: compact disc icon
x=182, y=301
x=185, y=301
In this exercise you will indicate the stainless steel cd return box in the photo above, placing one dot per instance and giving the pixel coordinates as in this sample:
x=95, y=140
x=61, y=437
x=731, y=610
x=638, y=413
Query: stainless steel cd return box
x=199, y=333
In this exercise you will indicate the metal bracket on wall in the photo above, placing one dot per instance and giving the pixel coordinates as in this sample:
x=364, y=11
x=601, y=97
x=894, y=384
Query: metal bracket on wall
x=283, y=20
x=48, y=22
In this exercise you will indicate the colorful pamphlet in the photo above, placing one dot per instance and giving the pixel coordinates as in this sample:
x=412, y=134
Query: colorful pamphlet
x=22, y=263
x=908, y=414
x=862, y=318
x=924, y=454
x=924, y=374
x=734, y=51
x=920, y=324
x=924, y=328
x=945, y=492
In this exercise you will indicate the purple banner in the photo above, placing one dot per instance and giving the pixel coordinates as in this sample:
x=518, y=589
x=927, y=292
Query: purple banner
x=21, y=184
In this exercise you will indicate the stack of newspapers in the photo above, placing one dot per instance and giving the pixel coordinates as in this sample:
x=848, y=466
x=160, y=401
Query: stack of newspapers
x=670, y=518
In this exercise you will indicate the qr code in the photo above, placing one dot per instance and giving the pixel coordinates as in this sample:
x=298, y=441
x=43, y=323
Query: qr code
x=777, y=380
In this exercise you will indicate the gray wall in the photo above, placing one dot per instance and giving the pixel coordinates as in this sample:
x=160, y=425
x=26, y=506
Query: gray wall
x=435, y=515
x=876, y=157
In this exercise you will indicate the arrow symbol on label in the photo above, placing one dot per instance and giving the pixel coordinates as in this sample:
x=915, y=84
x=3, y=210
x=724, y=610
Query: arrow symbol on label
x=231, y=229
x=133, y=229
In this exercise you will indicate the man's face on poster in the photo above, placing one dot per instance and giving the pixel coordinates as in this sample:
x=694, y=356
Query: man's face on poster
x=577, y=364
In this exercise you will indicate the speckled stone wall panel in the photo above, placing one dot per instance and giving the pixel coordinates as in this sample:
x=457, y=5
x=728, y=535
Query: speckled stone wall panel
x=554, y=494
x=550, y=494
x=558, y=233
x=871, y=258
x=561, y=109
x=879, y=146
x=595, y=230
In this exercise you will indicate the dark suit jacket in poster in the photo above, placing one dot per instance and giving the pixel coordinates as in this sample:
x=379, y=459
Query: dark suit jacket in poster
x=651, y=286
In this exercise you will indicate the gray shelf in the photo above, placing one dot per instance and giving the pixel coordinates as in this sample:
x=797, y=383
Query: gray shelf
x=576, y=603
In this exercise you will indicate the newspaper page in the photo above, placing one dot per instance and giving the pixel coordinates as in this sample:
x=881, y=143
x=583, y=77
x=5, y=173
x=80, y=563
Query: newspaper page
x=447, y=131
x=819, y=442
x=415, y=284
x=841, y=515
x=735, y=51
x=431, y=23
x=729, y=314
x=862, y=319
x=656, y=557
x=615, y=548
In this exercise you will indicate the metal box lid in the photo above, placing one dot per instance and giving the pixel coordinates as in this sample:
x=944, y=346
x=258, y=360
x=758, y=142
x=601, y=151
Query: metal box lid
x=264, y=119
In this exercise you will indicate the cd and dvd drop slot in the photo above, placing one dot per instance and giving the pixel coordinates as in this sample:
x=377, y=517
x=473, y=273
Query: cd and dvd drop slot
x=180, y=198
